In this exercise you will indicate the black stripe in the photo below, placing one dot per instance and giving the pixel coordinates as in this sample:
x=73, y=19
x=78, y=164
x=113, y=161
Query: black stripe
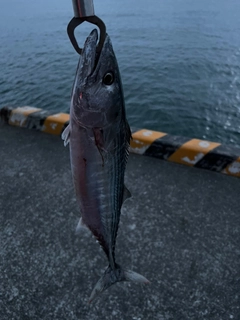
x=36, y=120
x=65, y=126
x=164, y=147
x=219, y=158
x=5, y=113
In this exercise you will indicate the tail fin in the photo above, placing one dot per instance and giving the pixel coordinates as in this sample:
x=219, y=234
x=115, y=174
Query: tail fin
x=112, y=276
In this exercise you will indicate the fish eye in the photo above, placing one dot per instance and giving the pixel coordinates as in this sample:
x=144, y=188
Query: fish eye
x=108, y=78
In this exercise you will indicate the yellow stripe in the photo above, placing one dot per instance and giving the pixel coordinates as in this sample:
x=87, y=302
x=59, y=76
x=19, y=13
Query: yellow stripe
x=18, y=116
x=55, y=123
x=143, y=139
x=233, y=169
x=192, y=151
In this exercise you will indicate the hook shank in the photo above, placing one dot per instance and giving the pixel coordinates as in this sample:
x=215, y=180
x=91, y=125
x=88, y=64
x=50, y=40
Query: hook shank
x=83, y=8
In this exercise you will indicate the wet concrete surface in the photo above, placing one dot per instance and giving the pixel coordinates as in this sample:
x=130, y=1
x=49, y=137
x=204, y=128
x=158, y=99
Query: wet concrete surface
x=180, y=229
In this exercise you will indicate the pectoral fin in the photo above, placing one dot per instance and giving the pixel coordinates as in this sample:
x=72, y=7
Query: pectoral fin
x=66, y=135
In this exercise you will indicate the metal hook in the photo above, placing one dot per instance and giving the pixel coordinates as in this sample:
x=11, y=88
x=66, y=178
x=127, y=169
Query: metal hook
x=92, y=19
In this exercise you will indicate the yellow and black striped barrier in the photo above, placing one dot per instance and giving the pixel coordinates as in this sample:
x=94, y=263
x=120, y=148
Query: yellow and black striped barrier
x=192, y=152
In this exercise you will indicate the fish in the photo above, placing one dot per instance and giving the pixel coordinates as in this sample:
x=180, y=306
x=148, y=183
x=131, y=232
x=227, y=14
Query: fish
x=99, y=138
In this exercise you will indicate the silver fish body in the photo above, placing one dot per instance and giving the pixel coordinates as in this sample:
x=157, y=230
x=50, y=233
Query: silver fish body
x=99, y=137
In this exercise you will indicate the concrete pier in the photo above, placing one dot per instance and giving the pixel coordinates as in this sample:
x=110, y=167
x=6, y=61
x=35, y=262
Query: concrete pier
x=180, y=229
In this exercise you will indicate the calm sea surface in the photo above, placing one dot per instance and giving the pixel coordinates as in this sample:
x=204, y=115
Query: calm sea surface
x=179, y=61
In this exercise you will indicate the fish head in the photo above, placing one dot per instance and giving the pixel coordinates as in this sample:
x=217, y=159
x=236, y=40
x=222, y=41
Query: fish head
x=97, y=97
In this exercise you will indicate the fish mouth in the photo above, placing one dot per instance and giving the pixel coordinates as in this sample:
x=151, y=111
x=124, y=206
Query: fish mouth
x=90, y=56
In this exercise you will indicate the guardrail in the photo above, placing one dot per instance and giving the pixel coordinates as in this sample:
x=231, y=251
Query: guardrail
x=191, y=152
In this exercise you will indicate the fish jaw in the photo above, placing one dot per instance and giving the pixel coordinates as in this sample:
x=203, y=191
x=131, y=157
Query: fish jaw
x=88, y=57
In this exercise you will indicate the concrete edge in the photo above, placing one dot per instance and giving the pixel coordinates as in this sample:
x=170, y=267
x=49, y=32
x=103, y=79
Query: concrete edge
x=192, y=152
